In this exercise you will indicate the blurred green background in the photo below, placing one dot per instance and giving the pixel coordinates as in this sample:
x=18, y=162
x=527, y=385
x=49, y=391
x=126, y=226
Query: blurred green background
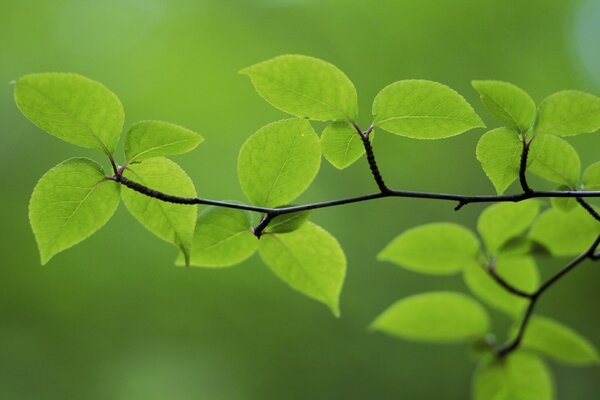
x=114, y=319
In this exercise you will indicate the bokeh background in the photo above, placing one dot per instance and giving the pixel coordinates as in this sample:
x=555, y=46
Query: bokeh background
x=114, y=319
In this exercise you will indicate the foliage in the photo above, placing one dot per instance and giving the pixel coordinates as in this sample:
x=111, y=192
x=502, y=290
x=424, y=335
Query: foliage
x=278, y=163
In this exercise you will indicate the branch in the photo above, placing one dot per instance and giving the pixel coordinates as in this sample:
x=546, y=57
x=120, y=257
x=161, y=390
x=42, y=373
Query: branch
x=523, y=166
x=491, y=269
x=534, y=297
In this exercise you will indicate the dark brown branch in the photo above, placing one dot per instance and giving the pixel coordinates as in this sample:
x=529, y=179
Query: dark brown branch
x=491, y=269
x=588, y=207
x=523, y=166
x=512, y=345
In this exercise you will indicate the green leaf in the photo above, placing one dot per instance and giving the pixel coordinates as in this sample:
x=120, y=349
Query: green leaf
x=555, y=160
x=223, y=237
x=519, y=271
x=310, y=260
x=520, y=376
x=565, y=233
x=559, y=342
x=509, y=103
x=565, y=204
x=288, y=222
x=279, y=162
x=517, y=246
x=73, y=108
x=501, y=222
x=569, y=113
x=436, y=249
x=591, y=177
x=499, y=152
x=148, y=139
x=423, y=110
x=69, y=203
x=341, y=145
x=305, y=87
x=439, y=317
x=173, y=223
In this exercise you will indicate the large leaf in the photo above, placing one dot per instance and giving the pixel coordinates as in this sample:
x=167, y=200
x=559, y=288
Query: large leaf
x=519, y=271
x=73, y=108
x=440, y=317
x=148, y=139
x=305, y=87
x=591, y=177
x=555, y=160
x=279, y=162
x=437, y=249
x=559, y=342
x=310, y=260
x=69, y=203
x=423, y=110
x=521, y=376
x=341, y=145
x=509, y=103
x=568, y=113
x=173, y=223
x=222, y=238
x=499, y=152
x=565, y=233
x=501, y=222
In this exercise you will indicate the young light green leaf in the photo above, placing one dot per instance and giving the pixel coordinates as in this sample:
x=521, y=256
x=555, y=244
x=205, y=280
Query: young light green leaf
x=279, y=162
x=69, y=203
x=73, y=108
x=501, y=222
x=436, y=249
x=569, y=113
x=565, y=233
x=148, y=139
x=555, y=160
x=438, y=317
x=499, y=152
x=222, y=238
x=341, y=145
x=509, y=103
x=591, y=177
x=520, y=376
x=308, y=259
x=288, y=222
x=305, y=87
x=519, y=271
x=565, y=204
x=423, y=110
x=173, y=223
x=558, y=341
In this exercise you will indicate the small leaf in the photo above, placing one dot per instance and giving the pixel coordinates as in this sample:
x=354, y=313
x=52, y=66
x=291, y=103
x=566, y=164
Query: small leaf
x=279, y=162
x=423, y=110
x=499, y=152
x=565, y=233
x=305, y=87
x=591, y=177
x=73, y=108
x=559, y=342
x=288, y=222
x=555, y=160
x=436, y=249
x=69, y=203
x=341, y=145
x=222, y=238
x=148, y=139
x=519, y=271
x=438, y=317
x=501, y=222
x=517, y=246
x=509, y=103
x=520, y=376
x=565, y=204
x=173, y=223
x=569, y=113
x=310, y=260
